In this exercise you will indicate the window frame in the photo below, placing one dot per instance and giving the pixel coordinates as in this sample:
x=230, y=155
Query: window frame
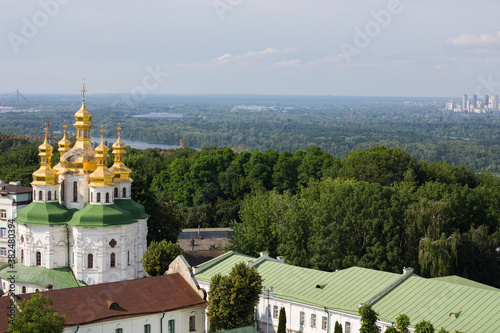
x=192, y=323
x=347, y=327
x=275, y=311
x=112, y=260
x=147, y=328
x=171, y=326
x=324, y=323
x=3, y=232
x=3, y=214
x=3, y=252
x=38, y=258
x=75, y=191
x=313, y=320
x=90, y=261
x=302, y=318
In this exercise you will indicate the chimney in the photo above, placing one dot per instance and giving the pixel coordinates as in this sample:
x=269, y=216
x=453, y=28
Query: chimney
x=407, y=270
x=281, y=259
x=49, y=287
x=264, y=255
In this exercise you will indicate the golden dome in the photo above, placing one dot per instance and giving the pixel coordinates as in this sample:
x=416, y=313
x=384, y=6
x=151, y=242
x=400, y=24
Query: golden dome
x=101, y=177
x=81, y=158
x=65, y=143
x=45, y=175
x=64, y=147
x=119, y=169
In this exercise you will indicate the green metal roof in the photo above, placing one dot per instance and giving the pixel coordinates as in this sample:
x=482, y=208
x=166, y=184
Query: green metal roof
x=137, y=210
x=475, y=305
x=60, y=278
x=101, y=216
x=44, y=214
x=465, y=282
x=343, y=290
x=435, y=301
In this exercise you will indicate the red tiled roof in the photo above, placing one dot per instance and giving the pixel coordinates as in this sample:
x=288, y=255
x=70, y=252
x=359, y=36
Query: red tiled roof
x=88, y=304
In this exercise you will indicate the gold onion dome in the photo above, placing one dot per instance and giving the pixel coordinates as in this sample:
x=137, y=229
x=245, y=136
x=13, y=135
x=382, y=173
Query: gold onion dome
x=119, y=169
x=64, y=147
x=101, y=177
x=81, y=158
x=45, y=175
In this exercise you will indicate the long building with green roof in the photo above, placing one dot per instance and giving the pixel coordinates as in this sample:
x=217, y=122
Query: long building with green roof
x=314, y=300
x=82, y=225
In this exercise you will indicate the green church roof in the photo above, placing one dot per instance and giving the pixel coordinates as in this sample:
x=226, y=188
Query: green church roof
x=44, y=214
x=60, y=278
x=137, y=210
x=101, y=216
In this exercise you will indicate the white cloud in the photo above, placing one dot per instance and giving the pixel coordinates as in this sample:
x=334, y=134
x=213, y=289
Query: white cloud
x=287, y=63
x=470, y=40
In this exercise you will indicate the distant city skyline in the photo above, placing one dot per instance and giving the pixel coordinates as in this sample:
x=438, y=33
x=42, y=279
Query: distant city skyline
x=269, y=47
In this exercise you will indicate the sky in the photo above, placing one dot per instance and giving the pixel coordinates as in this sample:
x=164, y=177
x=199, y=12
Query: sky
x=286, y=47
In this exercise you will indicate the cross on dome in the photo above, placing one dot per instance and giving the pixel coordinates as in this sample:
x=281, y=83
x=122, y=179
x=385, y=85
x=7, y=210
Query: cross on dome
x=83, y=90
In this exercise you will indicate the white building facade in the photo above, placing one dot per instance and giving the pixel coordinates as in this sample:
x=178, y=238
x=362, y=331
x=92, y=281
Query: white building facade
x=13, y=197
x=82, y=216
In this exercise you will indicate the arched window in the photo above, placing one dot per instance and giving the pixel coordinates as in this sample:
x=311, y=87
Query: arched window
x=62, y=190
x=37, y=290
x=124, y=195
x=171, y=326
x=112, y=261
x=38, y=258
x=107, y=197
x=128, y=258
x=75, y=191
x=98, y=197
x=22, y=256
x=90, y=261
x=40, y=195
x=91, y=196
x=23, y=290
x=49, y=196
x=116, y=192
x=34, y=195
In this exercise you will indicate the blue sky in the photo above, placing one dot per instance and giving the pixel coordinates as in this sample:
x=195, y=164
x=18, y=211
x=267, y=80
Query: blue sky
x=314, y=47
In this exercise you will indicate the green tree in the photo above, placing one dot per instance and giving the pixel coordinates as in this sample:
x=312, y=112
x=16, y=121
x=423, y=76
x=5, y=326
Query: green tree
x=36, y=316
x=232, y=298
x=158, y=256
x=424, y=327
x=439, y=257
x=337, y=328
x=368, y=319
x=282, y=321
x=377, y=164
x=402, y=323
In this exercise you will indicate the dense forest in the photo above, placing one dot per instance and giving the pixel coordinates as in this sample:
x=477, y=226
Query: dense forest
x=338, y=125
x=379, y=207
